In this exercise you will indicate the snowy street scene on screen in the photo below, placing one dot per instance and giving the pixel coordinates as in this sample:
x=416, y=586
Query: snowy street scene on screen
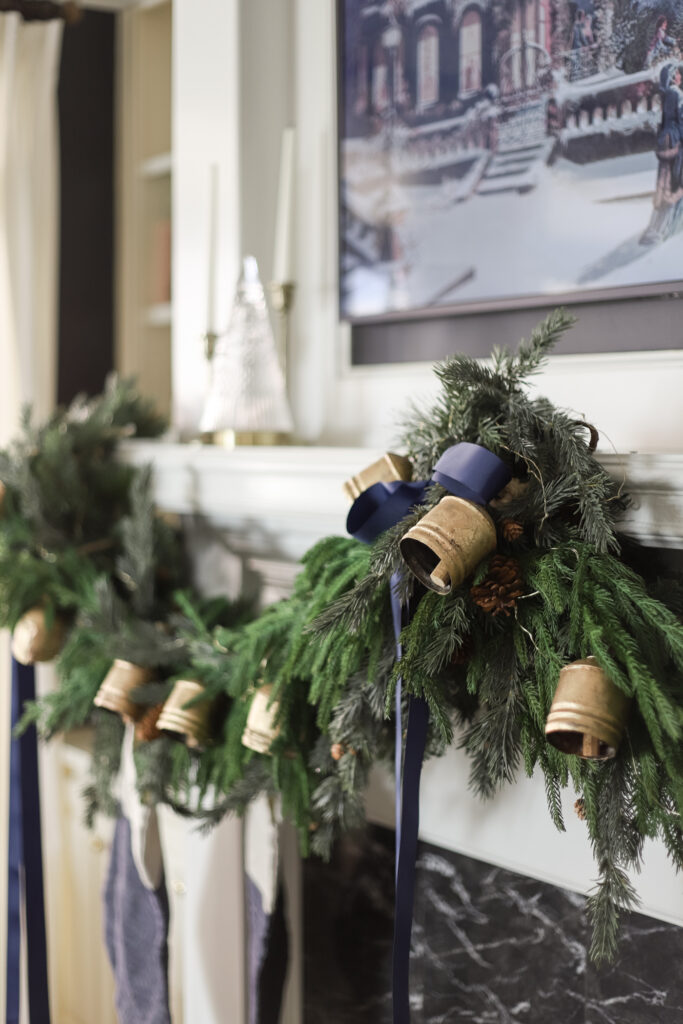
x=503, y=150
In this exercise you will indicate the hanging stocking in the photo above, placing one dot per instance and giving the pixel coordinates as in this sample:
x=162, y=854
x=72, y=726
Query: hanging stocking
x=268, y=941
x=136, y=906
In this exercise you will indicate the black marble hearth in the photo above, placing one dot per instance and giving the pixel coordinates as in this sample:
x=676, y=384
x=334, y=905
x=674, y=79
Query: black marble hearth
x=489, y=947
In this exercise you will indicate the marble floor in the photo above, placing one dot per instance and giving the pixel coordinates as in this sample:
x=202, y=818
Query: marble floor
x=489, y=947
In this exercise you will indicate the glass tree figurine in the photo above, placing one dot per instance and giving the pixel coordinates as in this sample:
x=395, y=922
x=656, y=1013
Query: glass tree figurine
x=247, y=398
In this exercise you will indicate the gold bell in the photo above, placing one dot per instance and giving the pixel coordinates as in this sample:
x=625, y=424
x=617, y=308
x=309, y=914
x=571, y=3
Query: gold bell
x=389, y=467
x=588, y=714
x=262, y=728
x=193, y=724
x=448, y=543
x=114, y=694
x=33, y=640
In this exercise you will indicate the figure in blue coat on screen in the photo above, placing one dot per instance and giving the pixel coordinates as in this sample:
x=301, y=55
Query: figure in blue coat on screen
x=669, y=152
x=661, y=44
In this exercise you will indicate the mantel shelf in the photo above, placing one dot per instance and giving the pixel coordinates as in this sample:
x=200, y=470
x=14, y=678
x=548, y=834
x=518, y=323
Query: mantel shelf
x=294, y=493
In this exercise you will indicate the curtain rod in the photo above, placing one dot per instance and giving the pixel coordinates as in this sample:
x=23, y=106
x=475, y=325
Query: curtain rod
x=43, y=10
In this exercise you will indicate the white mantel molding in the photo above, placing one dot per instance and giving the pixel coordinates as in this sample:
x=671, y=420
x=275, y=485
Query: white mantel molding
x=276, y=501
x=285, y=498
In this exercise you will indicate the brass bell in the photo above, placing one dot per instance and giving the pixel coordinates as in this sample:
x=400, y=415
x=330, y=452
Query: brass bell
x=588, y=713
x=192, y=724
x=448, y=543
x=33, y=640
x=389, y=467
x=262, y=728
x=114, y=693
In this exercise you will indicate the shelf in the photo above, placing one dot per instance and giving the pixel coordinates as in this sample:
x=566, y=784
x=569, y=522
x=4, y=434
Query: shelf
x=299, y=489
x=147, y=5
x=158, y=166
x=160, y=315
x=289, y=492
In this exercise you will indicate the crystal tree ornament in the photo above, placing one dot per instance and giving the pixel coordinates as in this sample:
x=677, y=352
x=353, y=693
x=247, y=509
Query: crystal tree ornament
x=247, y=399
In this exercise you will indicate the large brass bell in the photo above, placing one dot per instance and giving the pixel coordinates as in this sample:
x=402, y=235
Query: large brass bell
x=114, y=693
x=588, y=713
x=33, y=640
x=192, y=724
x=390, y=467
x=448, y=543
x=262, y=728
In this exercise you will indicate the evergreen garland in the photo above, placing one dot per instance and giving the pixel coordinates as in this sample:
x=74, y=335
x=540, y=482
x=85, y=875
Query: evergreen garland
x=486, y=657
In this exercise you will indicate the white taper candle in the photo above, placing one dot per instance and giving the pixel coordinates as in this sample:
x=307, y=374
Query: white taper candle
x=282, y=255
x=213, y=249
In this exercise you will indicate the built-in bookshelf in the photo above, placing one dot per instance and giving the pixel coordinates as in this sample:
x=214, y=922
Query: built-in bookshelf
x=145, y=174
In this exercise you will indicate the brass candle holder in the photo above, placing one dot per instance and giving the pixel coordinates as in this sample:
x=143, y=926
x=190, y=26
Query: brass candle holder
x=281, y=296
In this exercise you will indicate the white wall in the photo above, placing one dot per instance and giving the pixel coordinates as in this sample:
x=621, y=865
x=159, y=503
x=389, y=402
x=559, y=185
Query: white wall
x=205, y=132
x=255, y=67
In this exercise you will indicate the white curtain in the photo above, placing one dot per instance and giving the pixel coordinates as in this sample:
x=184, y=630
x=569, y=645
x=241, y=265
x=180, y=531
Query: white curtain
x=29, y=223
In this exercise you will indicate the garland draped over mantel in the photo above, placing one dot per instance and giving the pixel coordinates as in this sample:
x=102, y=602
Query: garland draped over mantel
x=298, y=700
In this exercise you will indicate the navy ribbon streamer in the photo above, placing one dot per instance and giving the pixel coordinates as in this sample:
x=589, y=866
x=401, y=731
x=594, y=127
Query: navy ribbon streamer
x=416, y=738
x=468, y=471
x=25, y=852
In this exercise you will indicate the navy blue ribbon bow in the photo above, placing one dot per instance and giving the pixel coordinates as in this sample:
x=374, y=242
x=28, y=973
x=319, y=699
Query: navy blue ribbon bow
x=468, y=471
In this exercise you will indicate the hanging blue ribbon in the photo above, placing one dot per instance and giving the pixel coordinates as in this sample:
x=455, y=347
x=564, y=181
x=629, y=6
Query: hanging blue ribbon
x=383, y=505
x=25, y=852
x=468, y=471
x=465, y=470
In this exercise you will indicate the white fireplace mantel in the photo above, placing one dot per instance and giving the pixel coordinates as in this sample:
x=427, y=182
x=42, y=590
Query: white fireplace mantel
x=271, y=504
x=288, y=497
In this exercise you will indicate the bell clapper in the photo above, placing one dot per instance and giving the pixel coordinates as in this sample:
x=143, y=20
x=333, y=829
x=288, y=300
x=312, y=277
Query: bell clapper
x=590, y=746
x=441, y=577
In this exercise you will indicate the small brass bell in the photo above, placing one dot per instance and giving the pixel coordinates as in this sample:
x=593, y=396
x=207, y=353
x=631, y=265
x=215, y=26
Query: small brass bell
x=588, y=713
x=33, y=640
x=191, y=724
x=448, y=543
x=262, y=728
x=114, y=694
x=389, y=467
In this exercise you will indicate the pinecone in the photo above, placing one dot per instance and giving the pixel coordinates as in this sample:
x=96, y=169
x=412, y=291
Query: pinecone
x=146, y=729
x=499, y=592
x=512, y=530
x=580, y=808
x=512, y=490
x=337, y=751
